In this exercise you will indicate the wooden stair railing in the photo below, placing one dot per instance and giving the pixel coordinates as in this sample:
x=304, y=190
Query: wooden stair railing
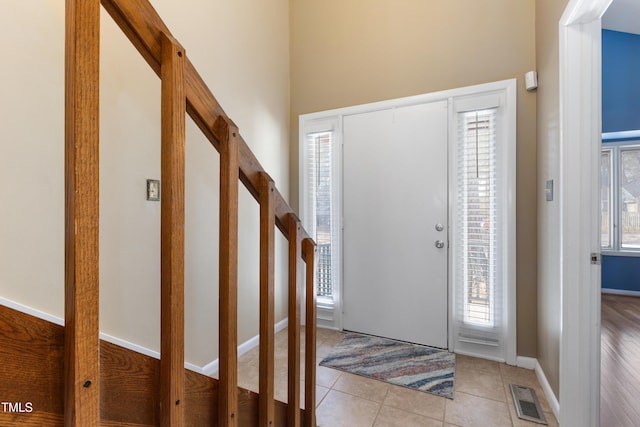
x=172, y=170
x=82, y=342
x=183, y=91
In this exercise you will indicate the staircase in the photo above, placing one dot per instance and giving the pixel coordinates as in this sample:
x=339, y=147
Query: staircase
x=32, y=363
x=67, y=374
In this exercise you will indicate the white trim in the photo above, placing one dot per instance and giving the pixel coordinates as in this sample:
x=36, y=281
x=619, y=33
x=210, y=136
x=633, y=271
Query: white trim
x=627, y=134
x=584, y=12
x=407, y=101
x=510, y=88
x=580, y=140
x=507, y=161
x=143, y=350
x=616, y=150
x=620, y=292
x=509, y=237
x=548, y=392
x=532, y=363
x=212, y=367
x=625, y=253
x=31, y=311
x=329, y=313
x=326, y=317
x=209, y=369
x=105, y=337
x=527, y=362
x=479, y=356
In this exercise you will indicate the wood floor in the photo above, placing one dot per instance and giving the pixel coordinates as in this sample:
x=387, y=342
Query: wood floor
x=620, y=374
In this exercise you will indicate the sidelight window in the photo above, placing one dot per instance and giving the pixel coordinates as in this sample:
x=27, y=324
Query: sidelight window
x=320, y=204
x=483, y=219
x=477, y=215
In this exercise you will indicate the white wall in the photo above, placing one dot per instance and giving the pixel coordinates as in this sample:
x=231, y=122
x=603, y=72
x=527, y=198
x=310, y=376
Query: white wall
x=241, y=48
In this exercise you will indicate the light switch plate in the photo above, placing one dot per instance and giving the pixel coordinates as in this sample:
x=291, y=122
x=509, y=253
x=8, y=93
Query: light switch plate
x=153, y=190
x=549, y=190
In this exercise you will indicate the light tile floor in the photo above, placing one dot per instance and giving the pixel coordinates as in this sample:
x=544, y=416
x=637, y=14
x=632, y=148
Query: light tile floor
x=482, y=397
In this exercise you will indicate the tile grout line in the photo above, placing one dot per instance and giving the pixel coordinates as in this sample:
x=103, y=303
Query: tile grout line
x=444, y=411
x=380, y=408
x=375, y=419
x=504, y=386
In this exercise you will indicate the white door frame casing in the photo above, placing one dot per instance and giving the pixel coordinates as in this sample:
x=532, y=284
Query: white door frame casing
x=509, y=86
x=580, y=138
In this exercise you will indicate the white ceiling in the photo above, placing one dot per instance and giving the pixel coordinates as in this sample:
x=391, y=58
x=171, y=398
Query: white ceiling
x=623, y=15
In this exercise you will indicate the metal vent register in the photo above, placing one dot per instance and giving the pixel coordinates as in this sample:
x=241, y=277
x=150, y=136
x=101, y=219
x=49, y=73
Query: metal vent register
x=527, y=404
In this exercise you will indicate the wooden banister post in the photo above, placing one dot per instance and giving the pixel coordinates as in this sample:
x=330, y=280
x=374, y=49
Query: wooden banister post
x=172, y=234
x=82, y=129
x=228, y=273
x=309, y=252
x=266, y=405
x=295, y=256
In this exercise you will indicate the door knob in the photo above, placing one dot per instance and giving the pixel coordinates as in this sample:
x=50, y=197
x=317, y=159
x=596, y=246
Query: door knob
x=439, y=244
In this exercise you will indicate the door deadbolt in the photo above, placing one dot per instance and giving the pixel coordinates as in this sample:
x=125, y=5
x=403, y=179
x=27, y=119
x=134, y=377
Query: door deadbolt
x=439, y=244
x=439, y=227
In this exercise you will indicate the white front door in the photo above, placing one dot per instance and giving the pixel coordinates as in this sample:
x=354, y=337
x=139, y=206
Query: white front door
x=395, y=223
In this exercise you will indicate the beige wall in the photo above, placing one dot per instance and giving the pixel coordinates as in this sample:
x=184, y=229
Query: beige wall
x=31, y=154
x=548, y=14
x=242, y=50
x=347, y=53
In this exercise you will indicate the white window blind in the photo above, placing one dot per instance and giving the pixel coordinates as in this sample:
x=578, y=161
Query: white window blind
x=476, y=154
x=606, y=199
x=320, y=211
x=479, y=285
x=620, y=197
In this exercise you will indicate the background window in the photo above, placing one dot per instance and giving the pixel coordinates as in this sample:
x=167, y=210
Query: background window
x=629, y=198
x=620, y=197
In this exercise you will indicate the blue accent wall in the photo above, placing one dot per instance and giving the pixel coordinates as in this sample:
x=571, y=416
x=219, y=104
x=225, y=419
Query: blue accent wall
x=620, y=112
x=620, y=81
x=621, y=273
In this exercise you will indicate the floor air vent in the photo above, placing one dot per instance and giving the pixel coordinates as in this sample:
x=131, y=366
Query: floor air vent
x=527, y=404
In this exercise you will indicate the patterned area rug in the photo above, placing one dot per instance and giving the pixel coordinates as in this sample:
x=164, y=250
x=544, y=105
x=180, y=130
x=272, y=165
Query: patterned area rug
x=414, y=366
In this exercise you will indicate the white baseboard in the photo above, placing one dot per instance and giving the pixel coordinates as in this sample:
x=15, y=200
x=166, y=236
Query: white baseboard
x=548, y=392
x=526, y=362
x=31, y=311
x=533, y=364
x=207, y=369
x=139, y=349
x=212, y=367
x=472, y=354
x=620, y=292
x=105, y=337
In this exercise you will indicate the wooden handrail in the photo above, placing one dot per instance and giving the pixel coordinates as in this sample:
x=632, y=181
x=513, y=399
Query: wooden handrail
x=172, y=235
x=183, y=90
x=143, y=26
